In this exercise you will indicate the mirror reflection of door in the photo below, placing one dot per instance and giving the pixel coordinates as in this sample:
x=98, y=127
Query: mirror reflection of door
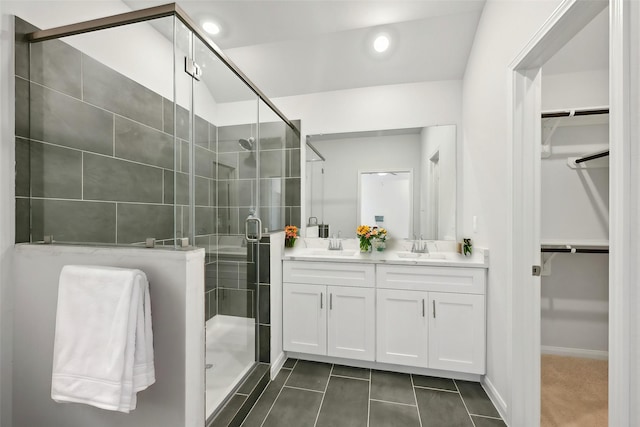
x=386, y=200
x=434, y=205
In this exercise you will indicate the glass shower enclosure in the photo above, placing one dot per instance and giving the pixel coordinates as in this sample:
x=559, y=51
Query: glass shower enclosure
x=140, y=131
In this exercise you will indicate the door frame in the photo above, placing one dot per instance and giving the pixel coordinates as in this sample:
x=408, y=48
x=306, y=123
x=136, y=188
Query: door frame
x=524, y=77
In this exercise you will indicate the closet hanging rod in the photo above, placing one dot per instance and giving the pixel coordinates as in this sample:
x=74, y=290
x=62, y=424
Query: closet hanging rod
x=593, y=156
x=575, y=113
x=575, y=250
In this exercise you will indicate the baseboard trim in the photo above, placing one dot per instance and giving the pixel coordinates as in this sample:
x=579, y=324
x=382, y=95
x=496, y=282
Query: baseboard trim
x=277, y=364
x=575, y=352
x=495, y=397
x=386, y=366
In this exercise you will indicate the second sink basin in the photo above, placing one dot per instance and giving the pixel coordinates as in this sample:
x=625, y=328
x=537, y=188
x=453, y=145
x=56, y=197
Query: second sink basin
x=414, y=255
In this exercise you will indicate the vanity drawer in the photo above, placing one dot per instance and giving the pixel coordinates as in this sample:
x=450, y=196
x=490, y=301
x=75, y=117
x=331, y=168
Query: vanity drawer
x=431, y=279
x=329, y=273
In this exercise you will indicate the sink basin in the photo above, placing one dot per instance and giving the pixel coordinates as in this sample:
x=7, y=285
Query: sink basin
x=328, y=253
x=414, y=255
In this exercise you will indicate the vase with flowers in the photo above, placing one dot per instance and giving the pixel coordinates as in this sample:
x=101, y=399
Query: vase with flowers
x=378, y=238
x=364, y=235
x=290, y=236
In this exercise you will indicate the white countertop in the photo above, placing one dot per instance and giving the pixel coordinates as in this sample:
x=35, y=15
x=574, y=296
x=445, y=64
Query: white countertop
x=399, y=253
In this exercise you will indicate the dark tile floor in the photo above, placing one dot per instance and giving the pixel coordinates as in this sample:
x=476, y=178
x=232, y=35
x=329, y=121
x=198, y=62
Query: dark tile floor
x=311, y=394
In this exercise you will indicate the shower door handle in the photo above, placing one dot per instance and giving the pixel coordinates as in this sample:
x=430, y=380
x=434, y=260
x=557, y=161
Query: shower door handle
x=258, y=223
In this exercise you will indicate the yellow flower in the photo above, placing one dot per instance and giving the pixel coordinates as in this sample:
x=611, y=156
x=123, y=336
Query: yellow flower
x=363, y=230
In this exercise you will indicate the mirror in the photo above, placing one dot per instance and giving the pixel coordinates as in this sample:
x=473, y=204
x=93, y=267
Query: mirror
x=401, y=179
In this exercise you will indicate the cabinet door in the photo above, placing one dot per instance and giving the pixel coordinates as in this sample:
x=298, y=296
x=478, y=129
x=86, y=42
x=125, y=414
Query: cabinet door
x=351, y=322
x=457, y=332
x=402, y=327
x=304, y=318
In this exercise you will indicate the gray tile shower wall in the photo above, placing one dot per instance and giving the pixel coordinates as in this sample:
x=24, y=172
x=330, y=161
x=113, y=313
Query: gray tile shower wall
x=95, y=152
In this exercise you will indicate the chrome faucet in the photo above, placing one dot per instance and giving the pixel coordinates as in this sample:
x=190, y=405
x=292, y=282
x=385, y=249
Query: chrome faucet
x=335, y=244
x=419, y=246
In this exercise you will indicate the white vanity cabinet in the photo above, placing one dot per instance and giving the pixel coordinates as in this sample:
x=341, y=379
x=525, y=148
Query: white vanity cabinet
x=329, y=309
x=431, y=317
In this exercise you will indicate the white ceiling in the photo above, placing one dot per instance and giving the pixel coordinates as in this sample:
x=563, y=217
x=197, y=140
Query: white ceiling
x=296, y=47
x=305, y=46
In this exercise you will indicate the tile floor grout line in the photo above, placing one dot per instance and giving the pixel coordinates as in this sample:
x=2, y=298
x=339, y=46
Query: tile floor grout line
x=350, y=378
x=465, y=404
x=303, y=389
x=435, y=389
x=415, y=396
x=323, y=395
x=394, y=403
x=279, y=393
x=486, y=416
x=259, y=397
x=369, y=401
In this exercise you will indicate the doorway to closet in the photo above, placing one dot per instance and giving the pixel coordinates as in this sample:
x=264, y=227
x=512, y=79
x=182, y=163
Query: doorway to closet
x=525, y=249
x=574, y=230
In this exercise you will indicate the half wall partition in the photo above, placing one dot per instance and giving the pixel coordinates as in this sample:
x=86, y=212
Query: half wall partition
x=137, y=130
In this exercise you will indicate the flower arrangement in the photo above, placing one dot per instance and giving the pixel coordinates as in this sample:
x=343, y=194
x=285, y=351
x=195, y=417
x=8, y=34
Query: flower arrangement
x=290, y=235
x=378, y=238
x=364, y=234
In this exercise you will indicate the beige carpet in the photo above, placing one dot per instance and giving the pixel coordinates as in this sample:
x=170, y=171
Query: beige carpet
x=574, y=392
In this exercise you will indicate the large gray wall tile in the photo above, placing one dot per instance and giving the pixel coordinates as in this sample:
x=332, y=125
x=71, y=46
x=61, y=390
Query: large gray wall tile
x=205, y=220
x=235, y=302
x=201, y=136
x=182, y=121
x=73, y=221
x=204, y=160
x=271, y=192
x=56, y=172
x=202, y=191
x=136, y=222
x=23, y=228
x=63, y=120
x=182, y=195
x=22, y=107
x=22, y=28
x=143, y=144
x=57, y=65
x=112, y=91
x=23, y=171
x=247, y=165
x=106, y=178
x=292, y=191
x=272, y=163
x=293, y=163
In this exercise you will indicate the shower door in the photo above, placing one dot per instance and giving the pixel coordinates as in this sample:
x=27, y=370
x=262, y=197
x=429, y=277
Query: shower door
x=225, y=157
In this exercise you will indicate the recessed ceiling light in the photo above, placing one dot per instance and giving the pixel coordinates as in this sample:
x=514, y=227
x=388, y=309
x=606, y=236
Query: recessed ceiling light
x=381, y=43
x=211, y=28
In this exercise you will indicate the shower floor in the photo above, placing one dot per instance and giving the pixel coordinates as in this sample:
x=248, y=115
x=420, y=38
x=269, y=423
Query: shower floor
x=230, y=344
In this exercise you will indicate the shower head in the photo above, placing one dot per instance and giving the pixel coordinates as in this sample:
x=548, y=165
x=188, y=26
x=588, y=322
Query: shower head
x=247, y=144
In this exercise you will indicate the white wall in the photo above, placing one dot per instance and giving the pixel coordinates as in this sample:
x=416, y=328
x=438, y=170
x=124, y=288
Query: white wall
x=346, y=158
x=176, y=285
x=585, y=89
x=7, y=212
x=504, y=29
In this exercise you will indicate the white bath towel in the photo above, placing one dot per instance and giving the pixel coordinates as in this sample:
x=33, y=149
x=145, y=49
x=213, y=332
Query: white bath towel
x=103, y=347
